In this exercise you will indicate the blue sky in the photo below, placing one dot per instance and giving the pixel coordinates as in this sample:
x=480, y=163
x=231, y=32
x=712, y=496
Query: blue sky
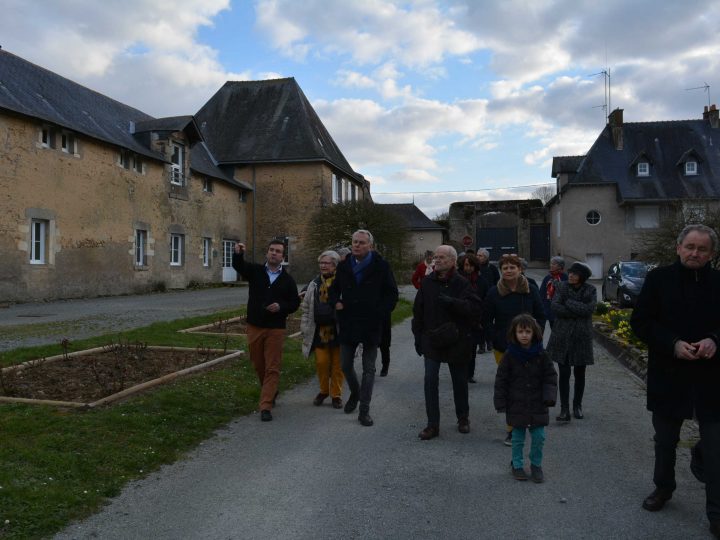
x=432, y=101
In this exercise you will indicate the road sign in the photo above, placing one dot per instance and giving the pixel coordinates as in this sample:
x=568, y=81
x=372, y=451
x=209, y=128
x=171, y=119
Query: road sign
x=467, y=241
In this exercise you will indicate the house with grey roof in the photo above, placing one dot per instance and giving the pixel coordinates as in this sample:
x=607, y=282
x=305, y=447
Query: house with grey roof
x=425, y=234
x=269, y=135
x=634, y=176
x=99, y=198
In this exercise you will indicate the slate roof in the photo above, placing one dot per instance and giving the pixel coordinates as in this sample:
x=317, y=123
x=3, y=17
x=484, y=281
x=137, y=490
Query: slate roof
x=414, y=216
x=36, y=92
x=665, y=145
x=30, y=90
x=565, y=164
x=267, y=122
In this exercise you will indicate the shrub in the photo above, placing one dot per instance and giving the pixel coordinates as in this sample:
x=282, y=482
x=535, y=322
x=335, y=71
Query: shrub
x=620, y=321
x=601, y=308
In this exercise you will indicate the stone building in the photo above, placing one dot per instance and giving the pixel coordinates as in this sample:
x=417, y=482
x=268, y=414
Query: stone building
x=501, y=227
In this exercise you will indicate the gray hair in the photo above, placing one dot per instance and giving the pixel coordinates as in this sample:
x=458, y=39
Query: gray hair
x=451, y=251
x=332, y=255
x=701, y=229
x=558, y=260
x=484, y=252
x=368, y=233
x=343, y=251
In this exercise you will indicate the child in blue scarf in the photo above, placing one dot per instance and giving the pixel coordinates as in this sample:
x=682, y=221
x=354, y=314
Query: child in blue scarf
x=525, y=386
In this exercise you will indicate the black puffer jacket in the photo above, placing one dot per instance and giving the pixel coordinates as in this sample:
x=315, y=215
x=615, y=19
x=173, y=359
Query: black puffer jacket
x=678, y=303
x=523, y=389
x=429, y=312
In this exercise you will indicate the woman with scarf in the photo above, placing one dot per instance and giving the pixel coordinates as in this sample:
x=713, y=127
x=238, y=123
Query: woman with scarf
x=471, y=271
x=570, y=343
x=510, y=297
x=319, y=331
x=549, y=284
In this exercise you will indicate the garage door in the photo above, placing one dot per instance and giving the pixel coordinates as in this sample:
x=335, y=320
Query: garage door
x=497, y=240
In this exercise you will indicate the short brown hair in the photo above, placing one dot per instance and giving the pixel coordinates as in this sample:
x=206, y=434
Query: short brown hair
x=524, y=320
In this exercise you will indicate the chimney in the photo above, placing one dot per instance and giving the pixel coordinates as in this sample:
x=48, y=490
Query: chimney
x=616, y=124
x=712, y=115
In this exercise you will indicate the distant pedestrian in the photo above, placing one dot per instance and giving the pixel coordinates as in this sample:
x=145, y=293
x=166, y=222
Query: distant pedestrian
x=272, y=296
x=471, y=272
x=364, y=293
x=491, y=275
x=549, y=284
x=525, y=386
x=510, y=297
x=444, y=311
x=678, y=316
x=571, y=340
x=424, y=268
x=320, y=333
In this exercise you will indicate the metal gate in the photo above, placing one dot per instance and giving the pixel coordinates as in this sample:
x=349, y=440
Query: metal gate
x=497, y=240
x=540, y=242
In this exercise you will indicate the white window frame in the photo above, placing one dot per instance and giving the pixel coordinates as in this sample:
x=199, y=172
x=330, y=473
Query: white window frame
x=124, y=159
x=646, y=217
x=38, y=241
x=68, y=144
x=228, y=250
x=207, y=185
x=46, y=137
x=137, y=164
x=177, y=242
x=207, y=251
x=335, y=191
x=691, y=168
x=177, y=167
x=643, y=168
x=141, y=237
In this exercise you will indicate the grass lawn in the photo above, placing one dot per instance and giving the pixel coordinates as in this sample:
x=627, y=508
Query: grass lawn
x=58, y=465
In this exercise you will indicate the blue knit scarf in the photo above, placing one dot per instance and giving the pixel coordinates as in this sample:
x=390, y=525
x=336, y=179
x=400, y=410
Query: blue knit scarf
x=359, y=266
x=523, y=354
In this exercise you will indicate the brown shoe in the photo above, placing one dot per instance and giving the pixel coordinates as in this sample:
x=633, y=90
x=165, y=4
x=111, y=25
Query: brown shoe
x=464, y=425
x=657, y=499
x=337, y=403
x=428, y=433
x=319, y=399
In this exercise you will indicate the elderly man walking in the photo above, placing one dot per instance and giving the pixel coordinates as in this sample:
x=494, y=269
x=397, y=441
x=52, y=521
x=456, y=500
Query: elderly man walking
x=445, y=310
x=365, y=294
x=272, y=296
x=678, y=316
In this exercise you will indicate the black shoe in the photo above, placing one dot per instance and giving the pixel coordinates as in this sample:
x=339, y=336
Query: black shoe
x=365, y=419
x=351, y=404
x=265, y=416
x=384, y=371
x=696, y=462
x=319, y=399
x=508, y=439
x=657, y=499
x=463, y=425
x=536, y=474
x=429, y=432
x=564, y=415
x=715, y=529
x=577, y=412
x=518, y=474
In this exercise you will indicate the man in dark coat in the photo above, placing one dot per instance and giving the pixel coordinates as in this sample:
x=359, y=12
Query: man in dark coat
x=365, y=294
x=272, y=296
x=678, y=316
x=447, y=301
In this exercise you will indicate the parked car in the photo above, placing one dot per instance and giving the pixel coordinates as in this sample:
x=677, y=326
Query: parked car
x=623, y=282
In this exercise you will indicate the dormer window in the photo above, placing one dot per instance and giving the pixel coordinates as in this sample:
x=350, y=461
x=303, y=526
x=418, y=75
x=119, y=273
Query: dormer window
x=691, y=168
x=643, y=168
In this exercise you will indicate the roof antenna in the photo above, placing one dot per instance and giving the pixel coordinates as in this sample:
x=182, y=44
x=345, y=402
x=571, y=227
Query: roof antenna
x=706, y=88
x=607, y=105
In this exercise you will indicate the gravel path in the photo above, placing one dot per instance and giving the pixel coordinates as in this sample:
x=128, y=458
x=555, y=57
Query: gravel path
x=315, y=472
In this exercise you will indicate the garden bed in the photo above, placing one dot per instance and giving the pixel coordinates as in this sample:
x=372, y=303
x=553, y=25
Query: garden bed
x=238, y=326
x=94, y=377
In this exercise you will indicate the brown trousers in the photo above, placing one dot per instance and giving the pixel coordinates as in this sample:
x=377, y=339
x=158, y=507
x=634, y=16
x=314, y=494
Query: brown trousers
x=266, y=347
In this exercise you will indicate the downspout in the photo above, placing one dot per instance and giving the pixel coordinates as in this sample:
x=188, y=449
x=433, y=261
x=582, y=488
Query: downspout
x=254, y=184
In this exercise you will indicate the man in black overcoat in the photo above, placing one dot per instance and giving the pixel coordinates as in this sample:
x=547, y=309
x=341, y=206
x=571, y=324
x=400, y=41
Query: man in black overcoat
x=678, y=316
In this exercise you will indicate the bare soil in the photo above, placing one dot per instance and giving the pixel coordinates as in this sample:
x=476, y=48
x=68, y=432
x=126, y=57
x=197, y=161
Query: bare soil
x=94, y=376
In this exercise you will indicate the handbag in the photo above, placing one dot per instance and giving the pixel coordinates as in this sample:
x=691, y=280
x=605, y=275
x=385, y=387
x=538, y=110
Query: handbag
x=323, y=314
x=444, y=336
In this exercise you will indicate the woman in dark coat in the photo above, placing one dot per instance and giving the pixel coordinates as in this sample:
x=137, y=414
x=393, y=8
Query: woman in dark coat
x=471, y=271
x=549, y=284
x=571, y=341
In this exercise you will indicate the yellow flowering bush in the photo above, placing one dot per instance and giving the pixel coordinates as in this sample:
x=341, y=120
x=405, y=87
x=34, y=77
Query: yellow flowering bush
x=620, y=321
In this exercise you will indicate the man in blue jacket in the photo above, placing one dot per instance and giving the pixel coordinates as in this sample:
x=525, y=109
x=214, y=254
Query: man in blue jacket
x=272, y=296
x=365, y=294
